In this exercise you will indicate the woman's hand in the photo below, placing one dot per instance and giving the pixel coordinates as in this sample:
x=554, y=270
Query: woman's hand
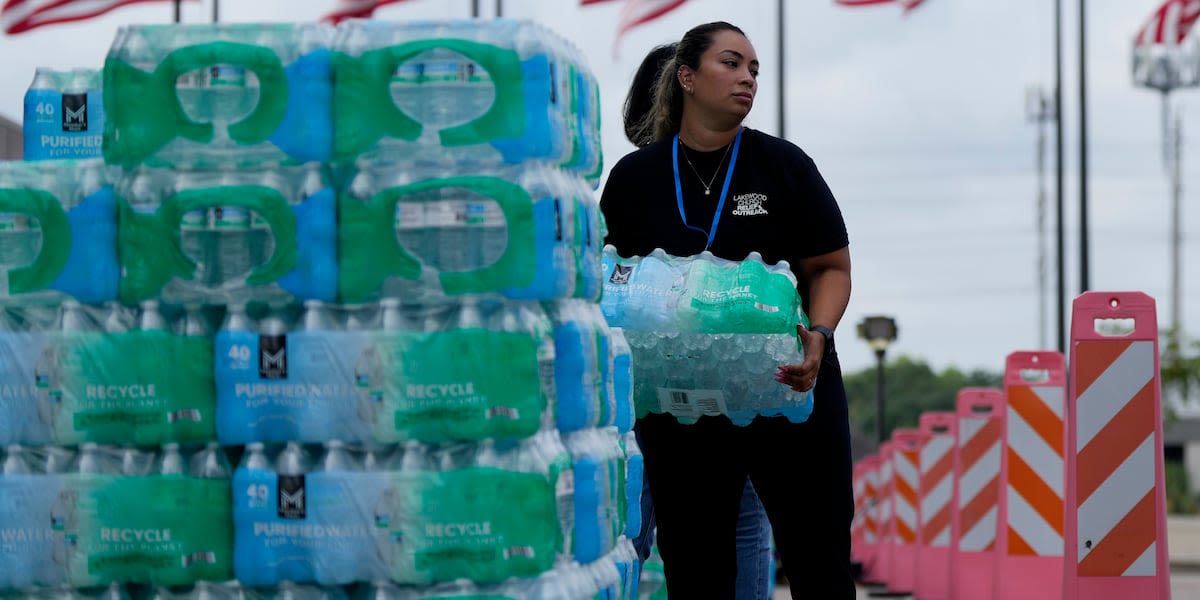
x=803, y=377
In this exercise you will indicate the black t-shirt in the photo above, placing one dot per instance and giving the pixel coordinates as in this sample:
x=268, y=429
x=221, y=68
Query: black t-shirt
x=778, y=204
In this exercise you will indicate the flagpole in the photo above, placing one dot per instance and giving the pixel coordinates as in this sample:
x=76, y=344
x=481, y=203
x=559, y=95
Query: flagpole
x=1058, y=151
x=177, y=3
x=1084, y=284
x=499, y=8
x=216, y=16
x=782, y=72
x=475, y=9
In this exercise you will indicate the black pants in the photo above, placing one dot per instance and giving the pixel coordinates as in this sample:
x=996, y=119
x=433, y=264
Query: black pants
x=801, y=471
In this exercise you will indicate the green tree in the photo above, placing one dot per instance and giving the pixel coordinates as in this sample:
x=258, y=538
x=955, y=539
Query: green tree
x=911, y=387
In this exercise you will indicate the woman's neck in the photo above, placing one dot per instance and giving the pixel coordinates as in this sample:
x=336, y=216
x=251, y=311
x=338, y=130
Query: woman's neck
x=704, y=139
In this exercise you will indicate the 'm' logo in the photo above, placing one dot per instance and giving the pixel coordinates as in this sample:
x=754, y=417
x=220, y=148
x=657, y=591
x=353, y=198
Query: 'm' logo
x=290, y=504
x=74, y=112
x=620, y=275
x=272, y=356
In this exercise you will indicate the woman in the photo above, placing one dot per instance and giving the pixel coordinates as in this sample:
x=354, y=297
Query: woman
x=703, y=181
x=753, y=534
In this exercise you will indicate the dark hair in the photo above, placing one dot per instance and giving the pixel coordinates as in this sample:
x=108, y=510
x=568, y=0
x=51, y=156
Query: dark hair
x=654, y=105
x=639, y=103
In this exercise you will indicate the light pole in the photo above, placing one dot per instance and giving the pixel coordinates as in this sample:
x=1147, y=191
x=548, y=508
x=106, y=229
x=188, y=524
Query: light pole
x=879, y=332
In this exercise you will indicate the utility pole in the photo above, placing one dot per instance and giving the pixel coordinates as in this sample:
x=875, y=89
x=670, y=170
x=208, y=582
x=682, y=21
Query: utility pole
x=1061, y=301
x=1173, y=161
x=1039, y=109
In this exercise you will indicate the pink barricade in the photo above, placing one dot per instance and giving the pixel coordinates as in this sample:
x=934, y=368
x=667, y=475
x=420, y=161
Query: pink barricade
x=976, y=492
x=936, y=492
x=1029, y=547
x=906, y=447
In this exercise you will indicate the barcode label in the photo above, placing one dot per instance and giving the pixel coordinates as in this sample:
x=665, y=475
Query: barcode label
x=691, y=403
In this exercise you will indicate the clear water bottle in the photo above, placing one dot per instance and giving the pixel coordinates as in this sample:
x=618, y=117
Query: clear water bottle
x=170, y=461
x=151, y=319
x=135, y=463
x=117, y=318
x=14, y=461
x=255, y=562
x=317, y=317
x=336, y=458
x=210, y=463
x=195, y=324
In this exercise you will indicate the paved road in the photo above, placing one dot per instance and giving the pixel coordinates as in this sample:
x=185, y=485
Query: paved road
x=1184, y=586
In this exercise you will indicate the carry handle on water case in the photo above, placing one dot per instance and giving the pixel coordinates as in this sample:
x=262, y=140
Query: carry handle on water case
x=364, y=83
x=56, y=238
x=388, y=257
x=134, y=100
x=145, y=235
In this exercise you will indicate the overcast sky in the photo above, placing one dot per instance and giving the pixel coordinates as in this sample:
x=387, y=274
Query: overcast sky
x=917, y=122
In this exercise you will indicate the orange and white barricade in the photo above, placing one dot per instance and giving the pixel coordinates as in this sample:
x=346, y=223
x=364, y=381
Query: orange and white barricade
x=906, y=449
x=976, y=492
x=935, y=495
x=1029, y=548
x=862, y=528
x=1116, y=538
x=871, y=531
x=882, y=571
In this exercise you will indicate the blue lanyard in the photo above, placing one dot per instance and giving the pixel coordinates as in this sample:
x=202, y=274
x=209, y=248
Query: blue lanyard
x=712, y=232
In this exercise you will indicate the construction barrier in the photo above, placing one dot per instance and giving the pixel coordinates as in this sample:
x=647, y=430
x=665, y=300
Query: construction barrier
x=863, y=529
x=882, y=573
x=1029, y=548
x=936, y=490
x=1116, y=539
x=872, y=529
x=906, y=451
x=976, y=492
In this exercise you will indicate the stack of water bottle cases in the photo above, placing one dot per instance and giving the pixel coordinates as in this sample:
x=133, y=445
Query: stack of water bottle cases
x=322, y=323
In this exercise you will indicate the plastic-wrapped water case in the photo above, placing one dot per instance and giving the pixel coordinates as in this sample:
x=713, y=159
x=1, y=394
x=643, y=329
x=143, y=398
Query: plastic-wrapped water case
x=119, y=514
x=415, y=514
x=64, y=115
x=385, y=373
x=427, y=232
x=58, y=232
x=228, y=236
x=706, y=334
x=566, y=581
x=204, y=94
x=106, y=374
x=496, y=91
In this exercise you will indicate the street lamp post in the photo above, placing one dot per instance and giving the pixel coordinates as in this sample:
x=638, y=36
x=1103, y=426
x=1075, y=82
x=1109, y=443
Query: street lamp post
x=879, y=332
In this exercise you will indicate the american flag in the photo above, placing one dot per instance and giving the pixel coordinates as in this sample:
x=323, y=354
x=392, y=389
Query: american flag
x=1170, y=24
x=637, y=12
x=17, y=16
x=355, y=9
x=907, y=4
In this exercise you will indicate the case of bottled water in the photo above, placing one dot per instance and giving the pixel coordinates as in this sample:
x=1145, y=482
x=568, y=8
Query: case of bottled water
x=228, y=236
x=705, y=334
x=293, y=373
x=495, y=91
x=58, y=232
x=201, y=95
x=566, y=581
x=622, y=378
x=64, y=114
x=426, y=232
x=415, y=513
x=77, y=527
x=466, y=371
x=108, y=374
x=577, y=327
x=308, y=515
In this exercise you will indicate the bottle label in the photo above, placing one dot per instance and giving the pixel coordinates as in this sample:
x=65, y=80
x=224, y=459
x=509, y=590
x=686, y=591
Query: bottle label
x=428, y=396
x=25, y=405
x=63, y=126
x=309, y=394
x=142, y=387
x=27, y=540
x=461, y=524
x=315, y=527
x=171, y=541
